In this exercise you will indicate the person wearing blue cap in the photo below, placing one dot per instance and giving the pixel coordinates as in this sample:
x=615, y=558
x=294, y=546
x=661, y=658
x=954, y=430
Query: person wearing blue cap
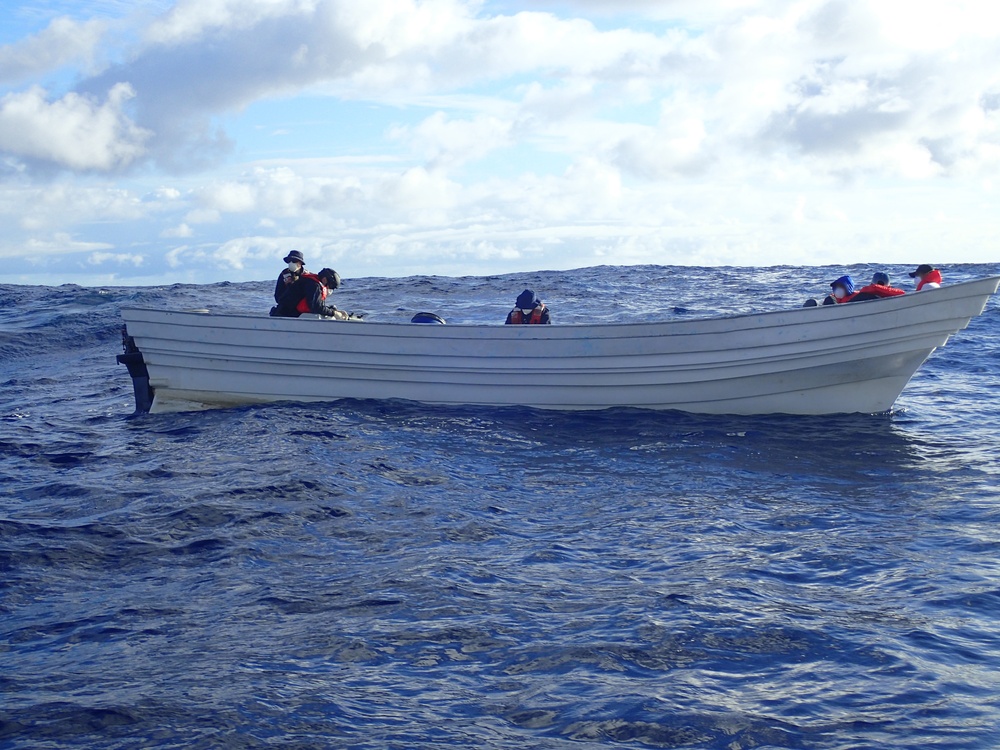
x=528, y=309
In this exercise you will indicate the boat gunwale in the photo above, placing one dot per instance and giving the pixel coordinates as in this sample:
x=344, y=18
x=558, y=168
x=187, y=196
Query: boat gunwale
x=752, y=320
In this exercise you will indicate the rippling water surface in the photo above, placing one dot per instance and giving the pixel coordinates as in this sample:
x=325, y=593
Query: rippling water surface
x=386, y=575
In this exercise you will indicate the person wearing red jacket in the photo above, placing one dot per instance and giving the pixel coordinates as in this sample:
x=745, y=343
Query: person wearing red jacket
x=878, y=289
x=845, y=291
x=927, y=277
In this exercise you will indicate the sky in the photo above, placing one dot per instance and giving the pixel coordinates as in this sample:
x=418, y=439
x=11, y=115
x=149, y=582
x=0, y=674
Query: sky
x=197, y=141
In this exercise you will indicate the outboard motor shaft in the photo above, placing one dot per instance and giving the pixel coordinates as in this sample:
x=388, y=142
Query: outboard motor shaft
x=131, y=357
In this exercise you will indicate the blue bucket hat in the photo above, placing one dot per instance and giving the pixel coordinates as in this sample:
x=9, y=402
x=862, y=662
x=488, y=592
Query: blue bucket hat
x=845, y=281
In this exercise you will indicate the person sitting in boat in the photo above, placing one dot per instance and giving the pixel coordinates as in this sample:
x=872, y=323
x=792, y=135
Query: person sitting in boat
x=296, y=265
x=878, y=289
x=308, y=295
x=528, y=309
x=843, y=291
x=927, y=277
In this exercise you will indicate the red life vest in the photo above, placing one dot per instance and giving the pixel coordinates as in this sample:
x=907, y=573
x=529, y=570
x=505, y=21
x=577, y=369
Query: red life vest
x=931, y=277
x=303, y=306
x=517, y=317
x=881, y=290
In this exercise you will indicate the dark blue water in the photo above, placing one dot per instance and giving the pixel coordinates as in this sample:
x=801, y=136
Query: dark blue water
x=385, y=575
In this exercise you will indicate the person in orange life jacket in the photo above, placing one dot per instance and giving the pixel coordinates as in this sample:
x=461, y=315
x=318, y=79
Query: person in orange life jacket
x=528, y=309
x=878, y=289
x=308, y=295
x=928, y=277
x=296, y=266
x=843, y=291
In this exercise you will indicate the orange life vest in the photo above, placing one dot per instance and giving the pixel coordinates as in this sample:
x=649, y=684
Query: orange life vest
x=516, y=316
x=881, y=290
x=931, y=277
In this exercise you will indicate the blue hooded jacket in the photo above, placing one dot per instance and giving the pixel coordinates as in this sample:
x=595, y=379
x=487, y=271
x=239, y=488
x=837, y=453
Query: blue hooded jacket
x=845, y=281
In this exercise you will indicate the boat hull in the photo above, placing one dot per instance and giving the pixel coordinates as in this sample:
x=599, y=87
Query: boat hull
x=820, y=360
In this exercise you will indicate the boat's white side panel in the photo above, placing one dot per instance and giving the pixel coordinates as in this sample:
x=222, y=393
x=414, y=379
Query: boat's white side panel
x=845, y=358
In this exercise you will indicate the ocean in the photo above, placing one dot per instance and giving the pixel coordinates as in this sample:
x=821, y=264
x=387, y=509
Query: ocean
x=388, y=575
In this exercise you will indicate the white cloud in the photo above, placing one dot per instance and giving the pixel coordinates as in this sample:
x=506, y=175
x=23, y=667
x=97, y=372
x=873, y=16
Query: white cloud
x=75, y=131
x=203, y=216
x=236, y=252
x=934, y=25
x=175, y=257
x=190, y=20
x=678, y=145
x=181, y=230
x=278, y=193
x=419, y=196
x=232, y=198
x=98, y=259
x=167, y=193
x=48, y=246
x=267, y=251
x=55, y=206
x=445, y=142
x=813, y=75
x=63, y=42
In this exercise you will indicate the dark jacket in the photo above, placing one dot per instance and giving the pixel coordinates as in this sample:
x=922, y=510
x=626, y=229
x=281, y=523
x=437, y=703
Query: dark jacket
x=284, y=282
x=306, y=295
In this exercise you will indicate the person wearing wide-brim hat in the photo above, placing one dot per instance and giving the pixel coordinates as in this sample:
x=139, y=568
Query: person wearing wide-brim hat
x=927, y=277
x=296, y=265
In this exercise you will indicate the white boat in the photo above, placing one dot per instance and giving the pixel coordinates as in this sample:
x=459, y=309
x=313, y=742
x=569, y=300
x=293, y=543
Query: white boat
x=854, y=357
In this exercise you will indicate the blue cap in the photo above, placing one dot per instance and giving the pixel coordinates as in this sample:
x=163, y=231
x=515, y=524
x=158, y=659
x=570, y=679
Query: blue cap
x=881, y=278
x=845, y=281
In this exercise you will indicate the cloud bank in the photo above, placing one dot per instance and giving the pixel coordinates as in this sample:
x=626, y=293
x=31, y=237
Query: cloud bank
x=397, y=136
